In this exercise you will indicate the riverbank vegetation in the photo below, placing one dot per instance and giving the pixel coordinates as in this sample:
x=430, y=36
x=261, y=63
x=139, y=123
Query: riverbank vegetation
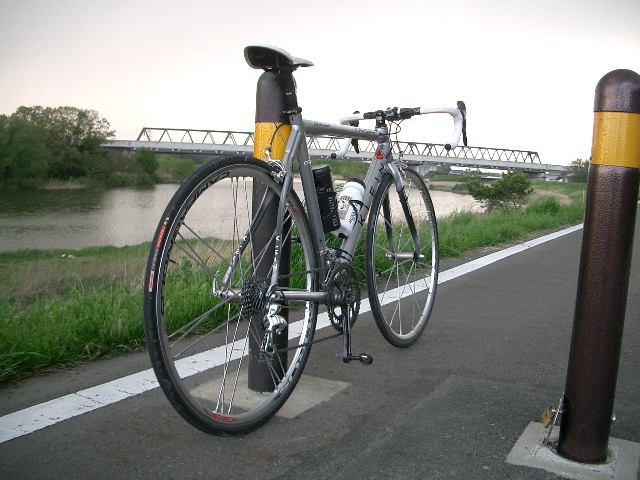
x=39, y=144
x=60, y=308
x=44, y=147
x=49, y=147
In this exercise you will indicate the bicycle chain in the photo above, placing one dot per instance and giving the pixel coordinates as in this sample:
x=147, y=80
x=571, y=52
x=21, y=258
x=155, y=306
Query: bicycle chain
x=335, y=335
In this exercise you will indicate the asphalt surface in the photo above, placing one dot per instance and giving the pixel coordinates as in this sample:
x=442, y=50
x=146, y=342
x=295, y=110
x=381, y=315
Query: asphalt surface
x=494, y=355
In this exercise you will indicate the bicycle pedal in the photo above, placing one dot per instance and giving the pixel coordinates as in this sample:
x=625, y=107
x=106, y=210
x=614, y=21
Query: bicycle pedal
x=363, y=358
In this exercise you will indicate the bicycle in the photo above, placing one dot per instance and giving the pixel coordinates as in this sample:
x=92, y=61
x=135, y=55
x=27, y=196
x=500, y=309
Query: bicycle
x=232, y=299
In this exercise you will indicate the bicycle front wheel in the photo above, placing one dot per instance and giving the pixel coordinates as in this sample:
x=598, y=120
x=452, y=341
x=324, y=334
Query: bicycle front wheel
x=401, y=282
x=205, y=293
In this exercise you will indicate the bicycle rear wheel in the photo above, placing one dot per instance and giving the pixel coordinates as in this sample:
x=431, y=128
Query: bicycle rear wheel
x=401, y=284
x=204, y=299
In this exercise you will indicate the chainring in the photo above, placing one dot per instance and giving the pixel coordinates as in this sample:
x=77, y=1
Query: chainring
x=343, y=292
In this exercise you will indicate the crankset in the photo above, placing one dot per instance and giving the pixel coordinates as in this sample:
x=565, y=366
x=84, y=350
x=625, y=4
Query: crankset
x=343, y=295
x=343, y=306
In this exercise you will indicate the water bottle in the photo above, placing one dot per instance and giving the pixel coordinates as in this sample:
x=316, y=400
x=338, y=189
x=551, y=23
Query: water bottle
x=349, y=204
x=326, y=197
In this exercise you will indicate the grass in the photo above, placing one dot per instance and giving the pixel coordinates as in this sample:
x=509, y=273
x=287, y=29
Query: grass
x=344, y=168
x=553, y=205
x=467, y=231
x=57, y=310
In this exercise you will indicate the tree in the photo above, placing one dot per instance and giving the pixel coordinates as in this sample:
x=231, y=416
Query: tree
x=509, y=191
x=24, y=156
x=68, y=126
x=579, y=171
x=74, y=137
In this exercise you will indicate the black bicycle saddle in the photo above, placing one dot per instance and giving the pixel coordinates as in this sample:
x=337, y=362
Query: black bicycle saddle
x=269, y=58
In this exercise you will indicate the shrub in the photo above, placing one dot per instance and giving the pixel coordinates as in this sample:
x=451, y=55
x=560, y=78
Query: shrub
x=174, y=169
x=148, y=160
x=509, y=191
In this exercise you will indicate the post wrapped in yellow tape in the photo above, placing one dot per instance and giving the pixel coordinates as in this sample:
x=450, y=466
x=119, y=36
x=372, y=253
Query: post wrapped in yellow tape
x=274, y=135
x=616, y=139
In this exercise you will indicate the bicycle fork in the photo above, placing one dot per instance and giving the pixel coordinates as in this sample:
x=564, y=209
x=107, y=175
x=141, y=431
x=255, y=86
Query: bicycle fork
x=406, y=208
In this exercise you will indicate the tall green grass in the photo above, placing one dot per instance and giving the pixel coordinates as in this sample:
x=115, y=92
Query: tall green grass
x=57, y=309
x=465, y=231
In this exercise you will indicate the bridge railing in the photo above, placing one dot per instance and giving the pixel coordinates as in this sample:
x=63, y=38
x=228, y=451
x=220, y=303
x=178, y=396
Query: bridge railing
x=190, y=135
x=227, y=137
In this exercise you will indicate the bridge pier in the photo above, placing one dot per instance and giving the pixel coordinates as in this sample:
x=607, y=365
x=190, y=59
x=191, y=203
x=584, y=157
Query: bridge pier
x=428, y=170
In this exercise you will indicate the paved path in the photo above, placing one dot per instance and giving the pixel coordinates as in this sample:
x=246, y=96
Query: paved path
x=493, y=356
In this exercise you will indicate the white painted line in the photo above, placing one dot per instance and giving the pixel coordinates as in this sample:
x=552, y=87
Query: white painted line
x=31, y=419
x=501, y=255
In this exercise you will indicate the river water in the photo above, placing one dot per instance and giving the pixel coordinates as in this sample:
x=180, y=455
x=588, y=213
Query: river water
x=72, y=219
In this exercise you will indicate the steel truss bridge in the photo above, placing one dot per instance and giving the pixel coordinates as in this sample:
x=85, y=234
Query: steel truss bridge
x=428, y=158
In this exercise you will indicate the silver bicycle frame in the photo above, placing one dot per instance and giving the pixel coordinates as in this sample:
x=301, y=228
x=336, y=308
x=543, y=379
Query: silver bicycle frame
x=380, y=159
x=380, y=162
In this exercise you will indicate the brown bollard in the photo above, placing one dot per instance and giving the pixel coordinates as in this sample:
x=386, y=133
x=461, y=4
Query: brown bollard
x=272, y=131
x=603, y=280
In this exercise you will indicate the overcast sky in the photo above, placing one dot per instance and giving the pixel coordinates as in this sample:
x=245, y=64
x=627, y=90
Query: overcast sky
x=527, y=70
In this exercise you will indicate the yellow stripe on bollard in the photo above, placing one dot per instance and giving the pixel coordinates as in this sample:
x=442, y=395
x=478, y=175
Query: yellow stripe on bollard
x=274, y=135
x=616, y=139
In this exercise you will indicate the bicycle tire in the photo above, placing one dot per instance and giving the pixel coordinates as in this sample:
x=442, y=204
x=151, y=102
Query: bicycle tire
x=401, y=290
x=202, y=346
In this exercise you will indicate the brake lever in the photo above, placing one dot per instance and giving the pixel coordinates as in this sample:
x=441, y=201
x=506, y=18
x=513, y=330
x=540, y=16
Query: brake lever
x=463, y=109
x=354, y=141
